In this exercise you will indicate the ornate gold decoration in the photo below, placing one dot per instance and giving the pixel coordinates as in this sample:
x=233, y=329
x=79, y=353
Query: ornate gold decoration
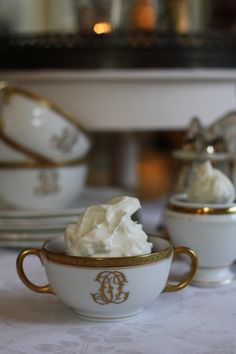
x=107, y=262
x=48, y=183
x=65, y=141
x=202, y=210
x=111, y=288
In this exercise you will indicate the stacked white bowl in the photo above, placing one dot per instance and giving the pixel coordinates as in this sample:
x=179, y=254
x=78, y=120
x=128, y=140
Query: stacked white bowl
x=42, y=152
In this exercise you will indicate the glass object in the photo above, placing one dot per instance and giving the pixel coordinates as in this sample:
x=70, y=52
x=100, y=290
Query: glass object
x=189, y=15
x=180, y=16
x=199, y=146
x=103, y=16
x=194, y=139
x=142, y=15
x=99, y=16
x=38, y=16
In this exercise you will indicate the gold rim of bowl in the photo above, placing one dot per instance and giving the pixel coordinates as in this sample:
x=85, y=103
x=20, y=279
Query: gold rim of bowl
x=205, y=210
x=29, y=153
x=10, y=91
x=64, y=259
x=15, y=90
x=40, y=164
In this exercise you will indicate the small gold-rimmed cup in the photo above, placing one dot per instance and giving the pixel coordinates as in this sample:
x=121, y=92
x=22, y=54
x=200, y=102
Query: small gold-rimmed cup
x=209, y=229
x=33, y=184
x=39, y=129
x=107, y=288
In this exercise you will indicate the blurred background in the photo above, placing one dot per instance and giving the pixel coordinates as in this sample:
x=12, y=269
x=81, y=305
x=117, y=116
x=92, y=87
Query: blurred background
x=133, y=72
x=102, y=16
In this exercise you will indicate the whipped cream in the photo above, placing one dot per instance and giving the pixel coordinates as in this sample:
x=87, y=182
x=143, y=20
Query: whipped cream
x=107, y=230
x=210, y=186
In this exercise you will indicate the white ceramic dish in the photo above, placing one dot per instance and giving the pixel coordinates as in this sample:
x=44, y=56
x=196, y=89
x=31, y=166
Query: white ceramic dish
x=40, y=129
x=35, y=186
x=210, y=231
x=106, y=288
x=24, y=243
x=30, y=236
x=7, y=153
x=89, y=196
x=21, y=227
x=36, y=224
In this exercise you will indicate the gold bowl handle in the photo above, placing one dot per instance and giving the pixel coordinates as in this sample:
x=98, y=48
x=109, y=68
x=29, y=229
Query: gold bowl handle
x=45, y=289
x=194, y=263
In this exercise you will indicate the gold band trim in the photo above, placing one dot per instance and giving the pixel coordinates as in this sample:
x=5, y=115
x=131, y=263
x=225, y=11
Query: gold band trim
x=202, y=210
x=106, y=262
x=41, y=164
x=10, y=91
x=14, y=90
x=16, y=146
x=31, y=154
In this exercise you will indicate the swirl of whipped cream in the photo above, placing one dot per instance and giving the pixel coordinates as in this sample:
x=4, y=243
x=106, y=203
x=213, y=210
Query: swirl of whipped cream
x=210, y=186
x=107, y=230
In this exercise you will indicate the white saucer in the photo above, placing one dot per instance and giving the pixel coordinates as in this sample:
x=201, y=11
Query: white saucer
x=23, y=228
x=213, y=277
x=90, y=196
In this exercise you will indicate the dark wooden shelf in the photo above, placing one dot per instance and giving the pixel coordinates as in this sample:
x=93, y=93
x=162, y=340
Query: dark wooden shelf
x=133, y=50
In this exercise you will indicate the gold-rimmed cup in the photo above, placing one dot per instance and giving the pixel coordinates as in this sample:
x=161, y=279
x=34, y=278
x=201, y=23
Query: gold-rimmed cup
x=34, y=184
x=209, y=229
x=36, y=127
x=107, y=288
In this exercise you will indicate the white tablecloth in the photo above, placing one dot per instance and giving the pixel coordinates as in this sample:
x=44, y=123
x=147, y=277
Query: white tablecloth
x=192, y=321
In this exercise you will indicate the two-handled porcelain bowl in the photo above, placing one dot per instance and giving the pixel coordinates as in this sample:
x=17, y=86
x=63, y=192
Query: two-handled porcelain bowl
x=107, y=288
x=210, y=230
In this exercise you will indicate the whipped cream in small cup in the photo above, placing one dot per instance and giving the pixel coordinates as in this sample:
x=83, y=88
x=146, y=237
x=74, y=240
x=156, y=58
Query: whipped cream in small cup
x=107, y=230
x=210, y=186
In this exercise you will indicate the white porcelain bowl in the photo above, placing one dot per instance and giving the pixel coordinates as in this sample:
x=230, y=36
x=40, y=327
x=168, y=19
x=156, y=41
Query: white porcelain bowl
x=8, y=153
x=210, y=230
x=35, y=126
x=36, y=185
x=106, y=288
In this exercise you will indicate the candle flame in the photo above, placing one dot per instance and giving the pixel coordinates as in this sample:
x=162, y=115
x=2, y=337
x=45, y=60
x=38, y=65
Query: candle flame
x=102, y=27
